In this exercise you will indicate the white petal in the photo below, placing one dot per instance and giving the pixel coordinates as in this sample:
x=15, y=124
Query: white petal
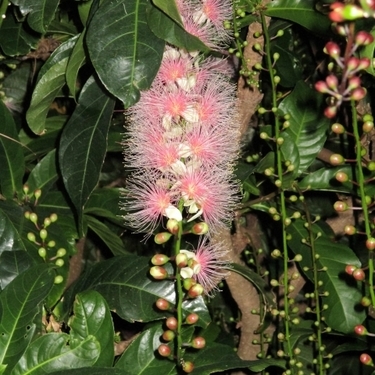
x=186, y=273
x=173, y=212
x=189, y=254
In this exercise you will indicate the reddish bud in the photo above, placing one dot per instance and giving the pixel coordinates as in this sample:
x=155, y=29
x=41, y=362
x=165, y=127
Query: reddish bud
x=367, y=127
x=188, y=283
x=364, y=63
x=164, y=350
x=370, y=243
x=181, y=260
x=195, y=291
x=336, y=159
x=330, y=112
x=353, y=63
x=192, y=318
x=332, y=49
x=200, y=228
x=173, y=226
x=336, y=14
x=168, y=335
x=171, y=323
x=159, y=259
x=354, y=82
x=350, y=268
x=162, y=304
x=341, y=177
x=321, y=86
x=358, y=94
x=366, y=359
x=359, y=274
x=363, y=38
x=162, y=237
x=350, y=230
x=198, y=343
x=332, y=81
x=360, y=330
x=158, y=273
x=337, y=128
x=340, y=206
x=187, y=366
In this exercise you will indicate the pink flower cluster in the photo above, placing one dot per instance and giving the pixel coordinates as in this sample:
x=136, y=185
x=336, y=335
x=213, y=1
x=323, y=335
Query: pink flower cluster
x=184, y=137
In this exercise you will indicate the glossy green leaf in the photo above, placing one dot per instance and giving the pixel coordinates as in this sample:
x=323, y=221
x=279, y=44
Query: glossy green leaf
x=83, y=144
x=90, y=371
x=169, y=7
x=308, y=127
x=51, y=353
x=343, y=291
x=123, y=50
x=165, y=28
x=51, y=79
x=76, y=60
x=12, y=264
x=92, y=317
x=19, y=303
x=44, y=174
x=324, y=180
x=125, y=283
x=39, y=12
x=113, y=242
x=140, y=358
x=11, y=156
x=301, y=12
x=290, y=152
x=369, y=52
x=14, y=39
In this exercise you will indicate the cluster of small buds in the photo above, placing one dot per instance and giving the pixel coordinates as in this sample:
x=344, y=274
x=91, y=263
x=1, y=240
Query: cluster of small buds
x=356, y=272
x=347, y=86
x=341, y=11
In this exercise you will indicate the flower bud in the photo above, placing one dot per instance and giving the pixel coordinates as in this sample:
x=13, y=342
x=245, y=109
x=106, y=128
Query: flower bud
x=61, y=252
x=58, y=279
x=354, y=82
x=42, y=252
x=336, y=159
x=359, y=274
x=51, y=244
x=47, y=222
x=25, y=189
x=31, y=237
x=332, y=49
x=189, y=283
x=340, y=206
x=370, y=243
x=358, y=94
x=198, y=343
x=162, y=304
x=353, y=63
x=321, y=86
x=332, y=81
x=27, y=215
x=173, y=226
x=336, y=14
x=37, y=194
x=158, y=273
x=367, y=126
x=43, y=234
x=164, y=350
x=53, y=217
x=330, y=112
x=168, y=335
x=59, y=262
x=360, y=330
x=171, y=323
x=192, y=318
x=352, y=12
x=159, y=259
x=181, y=260
x=188, y=366
x=350, y=230
x=341, y=176
x=363, y=38
x=366, y=359
x=195, y=291
x=162, y=237
x=33, y=217
x=200, y=228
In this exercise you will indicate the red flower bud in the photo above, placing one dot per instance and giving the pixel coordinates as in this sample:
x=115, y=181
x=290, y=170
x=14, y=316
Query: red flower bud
x=370, y=243
x=192, y=318
x=358, y=93
x=332, y=81
x=200, y=228
x=364, y=63
x=332, y=49
x=159, y=259
x=173, y=226
x=353, y=63
x=164, y=350
x=330, y=112
x=195, y=291
x=341, y=177
x=350, y=268
x=336, y=14
x=338, y=128
x=363, y=38
x=158, y=273
x=360, y=330
x=336, y=159
x=340, y=206
x=188, y=367
x=354, y=82
x=321, y=86
x=162, y=304
x=162, y=237
x=171, y=323
x=198, y=343
x=359, y=274
x=366, y=359
x=168, y=335
x=350, y=230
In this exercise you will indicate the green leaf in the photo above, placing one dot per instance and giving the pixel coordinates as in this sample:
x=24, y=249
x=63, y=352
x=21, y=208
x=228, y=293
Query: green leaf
x=90, y=371
x=333, y=256
x=14, y=39
x=51, y=353
x=83, y=144
x=113, y=242
x=44, y=173
x=165, y=28
x=124, y=282
x=368, y=52
x=140, y=358
x=123, y=50
x=51, y=79
x=12, y=264
x=308, y=127
x=290, y=152
x=40, y=12
x=76, y=60
x=169, y=7
x=19, y=303
x=92, y=317
x=301, y=12
x=11, y=156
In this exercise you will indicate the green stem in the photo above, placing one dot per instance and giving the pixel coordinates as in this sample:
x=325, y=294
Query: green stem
x=3, y=10
x=361, y=182
x=267, y=47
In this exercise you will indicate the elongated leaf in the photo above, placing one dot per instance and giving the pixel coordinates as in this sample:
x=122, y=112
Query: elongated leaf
x=14, y=40
x=51, y=353
x=44, y=174
x=90, y=371
x=92, y=317
x=11, y=156
x=169, y=7
x=123, y=50
x=51, y=79
x=19, y=303
x=123, y=281
x=76, y=60
x=113, y=242
x=40, y=12
x=140, y=358
x=12, y=264
x=83, y=144
x=308, y=127
x=301, y=12
x=343, y=293
x=165, y=28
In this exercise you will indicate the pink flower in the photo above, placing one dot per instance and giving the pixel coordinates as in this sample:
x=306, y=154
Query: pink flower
x=207, y=265
x=149, y=199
